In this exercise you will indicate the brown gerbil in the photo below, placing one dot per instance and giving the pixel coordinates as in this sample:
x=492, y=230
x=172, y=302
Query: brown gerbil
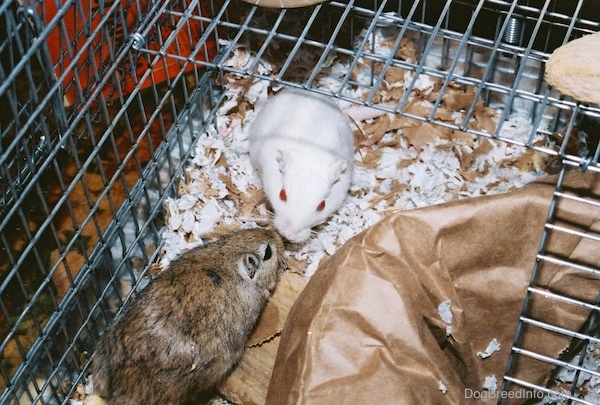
x=187, y=329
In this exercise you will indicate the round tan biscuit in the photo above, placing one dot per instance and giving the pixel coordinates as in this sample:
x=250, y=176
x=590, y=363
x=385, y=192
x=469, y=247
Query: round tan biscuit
x=574, y=69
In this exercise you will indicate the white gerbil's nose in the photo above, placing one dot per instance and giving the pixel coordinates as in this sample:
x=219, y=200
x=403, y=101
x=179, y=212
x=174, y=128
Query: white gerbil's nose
x=292, y=233
x=300, y=236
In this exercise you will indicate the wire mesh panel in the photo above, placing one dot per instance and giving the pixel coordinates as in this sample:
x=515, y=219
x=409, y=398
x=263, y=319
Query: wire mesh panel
x=90, y=144
x=575, y=370
x=97, y=104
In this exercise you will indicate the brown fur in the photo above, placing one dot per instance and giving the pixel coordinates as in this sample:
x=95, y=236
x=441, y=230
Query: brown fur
x=187, y=329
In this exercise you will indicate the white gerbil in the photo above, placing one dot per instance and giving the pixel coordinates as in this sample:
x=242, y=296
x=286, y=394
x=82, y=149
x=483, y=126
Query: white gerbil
x=302, y=147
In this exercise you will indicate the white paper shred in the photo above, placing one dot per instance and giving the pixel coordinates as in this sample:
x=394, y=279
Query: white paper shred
x=590, y=362
x=492, y=347
x=490, y=383
x=445, y=312
x=446, y=315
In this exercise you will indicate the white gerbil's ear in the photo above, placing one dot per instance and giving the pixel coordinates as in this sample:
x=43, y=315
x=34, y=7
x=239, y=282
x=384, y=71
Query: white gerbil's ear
x=280, y=160
x=336, y=169
x=248, y=265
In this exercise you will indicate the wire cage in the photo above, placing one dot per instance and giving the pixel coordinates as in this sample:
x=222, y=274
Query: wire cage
x=99, y=98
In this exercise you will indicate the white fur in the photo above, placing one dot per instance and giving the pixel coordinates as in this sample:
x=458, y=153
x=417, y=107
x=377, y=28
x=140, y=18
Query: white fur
x=302, y=142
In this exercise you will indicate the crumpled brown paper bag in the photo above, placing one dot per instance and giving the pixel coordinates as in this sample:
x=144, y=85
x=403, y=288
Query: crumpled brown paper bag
x=366, y=328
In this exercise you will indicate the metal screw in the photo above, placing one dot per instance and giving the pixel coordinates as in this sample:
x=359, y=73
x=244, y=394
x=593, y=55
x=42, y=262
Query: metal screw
x=512, y=35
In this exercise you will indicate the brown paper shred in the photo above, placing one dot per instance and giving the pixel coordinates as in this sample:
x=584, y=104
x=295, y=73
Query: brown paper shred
x=485, y=146
x=401, y=121
x=457, y=100
x=408, y=50
x=466, y=156
x=418, y=109
x=382, y=129
x=484, y=121
x=528, y=161
x=463, y=137
x=424, y=134
x=397, y=188
x=370, y=157
x=394, y=76
x=443, y=114
x=225, y=178
x=469, y=175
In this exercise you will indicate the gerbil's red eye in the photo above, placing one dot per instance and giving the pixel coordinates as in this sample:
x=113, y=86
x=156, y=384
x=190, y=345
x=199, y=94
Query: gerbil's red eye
x=321, y=206
x=282, y=195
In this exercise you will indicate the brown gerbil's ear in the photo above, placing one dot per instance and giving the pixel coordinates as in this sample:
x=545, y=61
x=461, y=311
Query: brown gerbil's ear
x=336, y=169
x=280, y=160
x=248, y=265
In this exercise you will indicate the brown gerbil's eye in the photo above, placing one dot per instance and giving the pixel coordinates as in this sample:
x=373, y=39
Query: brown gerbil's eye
x=282, y=195
x=268, y=253
x=321, y=206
